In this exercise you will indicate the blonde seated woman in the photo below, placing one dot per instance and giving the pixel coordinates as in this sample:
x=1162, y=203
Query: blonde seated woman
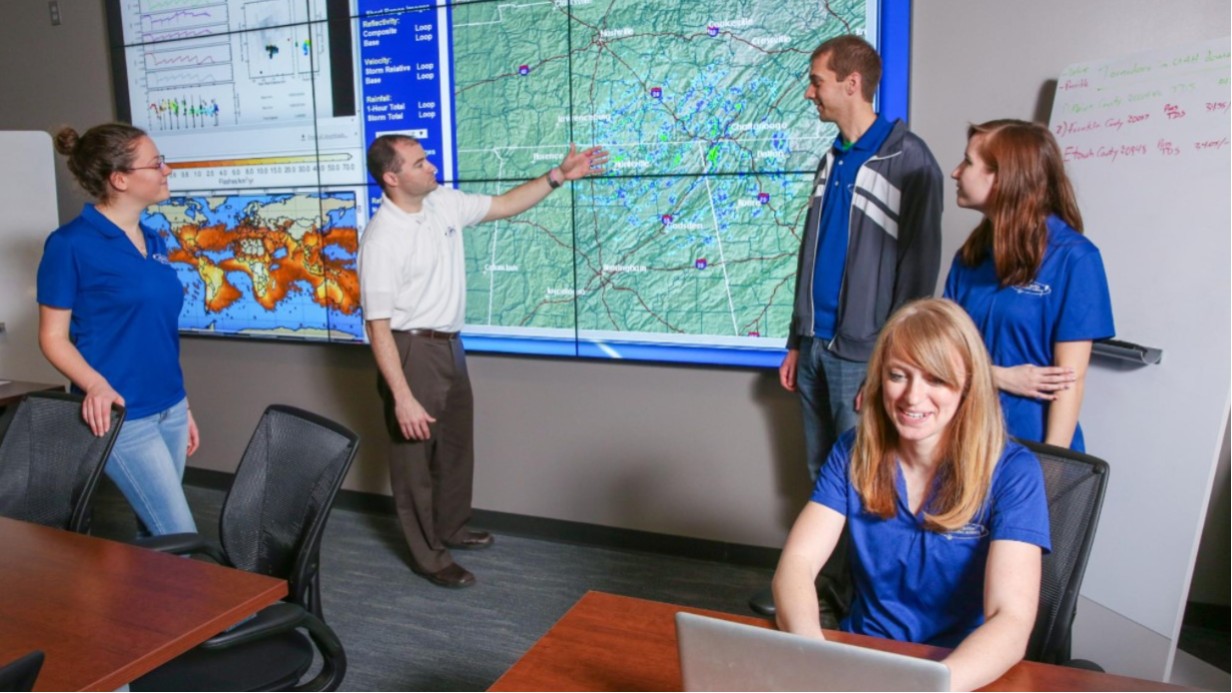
x=948, y=519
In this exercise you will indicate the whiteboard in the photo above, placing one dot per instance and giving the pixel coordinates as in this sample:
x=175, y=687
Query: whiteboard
x=1146, y=141
x=28, y=201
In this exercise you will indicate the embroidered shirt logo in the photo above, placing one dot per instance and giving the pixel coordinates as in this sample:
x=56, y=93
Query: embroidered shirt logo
x=1034, y=289
x=973, y=530
x=450, y=231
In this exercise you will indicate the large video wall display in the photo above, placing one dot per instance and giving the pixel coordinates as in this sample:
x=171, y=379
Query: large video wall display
x=684, y=250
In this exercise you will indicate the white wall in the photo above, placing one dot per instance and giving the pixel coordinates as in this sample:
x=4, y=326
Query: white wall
x=55, y=75
x=703, y=453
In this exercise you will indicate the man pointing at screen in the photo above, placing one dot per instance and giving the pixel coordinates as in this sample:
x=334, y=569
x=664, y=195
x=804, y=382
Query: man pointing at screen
x=413, y=291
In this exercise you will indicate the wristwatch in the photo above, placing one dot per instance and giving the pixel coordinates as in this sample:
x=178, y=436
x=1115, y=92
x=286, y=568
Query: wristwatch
x=552, y=182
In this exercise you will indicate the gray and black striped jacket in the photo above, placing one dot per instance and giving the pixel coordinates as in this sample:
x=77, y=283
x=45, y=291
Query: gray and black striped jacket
x=893, y=243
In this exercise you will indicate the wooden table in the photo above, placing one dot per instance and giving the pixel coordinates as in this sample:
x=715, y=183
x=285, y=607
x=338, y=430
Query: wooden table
x=104, y=612
x=612, y=643
x=14, y=390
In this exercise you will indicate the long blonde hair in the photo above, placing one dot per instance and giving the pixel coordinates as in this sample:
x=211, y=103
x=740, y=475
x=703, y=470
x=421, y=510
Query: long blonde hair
x=936, y=336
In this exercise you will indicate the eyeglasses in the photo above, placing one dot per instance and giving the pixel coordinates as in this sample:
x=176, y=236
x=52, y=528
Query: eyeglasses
x=160, y=162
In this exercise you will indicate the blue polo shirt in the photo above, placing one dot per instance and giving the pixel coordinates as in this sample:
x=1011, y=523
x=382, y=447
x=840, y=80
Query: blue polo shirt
x=834, y=222
x=916, y=585
x=125, y=307
x=1067, y=302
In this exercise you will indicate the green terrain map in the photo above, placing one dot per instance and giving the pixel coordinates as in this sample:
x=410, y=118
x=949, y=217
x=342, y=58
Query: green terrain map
x=692, y=235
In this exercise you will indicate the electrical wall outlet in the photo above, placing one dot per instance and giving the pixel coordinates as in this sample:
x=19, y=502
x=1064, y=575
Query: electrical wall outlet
x=53, y=6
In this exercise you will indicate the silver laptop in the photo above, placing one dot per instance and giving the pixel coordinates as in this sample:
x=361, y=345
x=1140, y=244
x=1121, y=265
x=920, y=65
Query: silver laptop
x=717, y=655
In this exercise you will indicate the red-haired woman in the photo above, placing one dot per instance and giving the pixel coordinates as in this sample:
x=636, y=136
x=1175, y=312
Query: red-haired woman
x=947, y=519
x=1033, y=284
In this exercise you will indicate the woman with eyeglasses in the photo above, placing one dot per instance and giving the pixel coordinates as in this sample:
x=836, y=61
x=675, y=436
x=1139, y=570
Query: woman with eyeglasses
x=109, y=305
x=948, y=518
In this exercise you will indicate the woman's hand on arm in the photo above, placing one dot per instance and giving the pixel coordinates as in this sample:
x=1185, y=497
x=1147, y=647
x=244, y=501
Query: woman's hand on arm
x=809, y=545
x=1011, y=597
x=1035, y=382
x=62, y=353
x=1063, y=412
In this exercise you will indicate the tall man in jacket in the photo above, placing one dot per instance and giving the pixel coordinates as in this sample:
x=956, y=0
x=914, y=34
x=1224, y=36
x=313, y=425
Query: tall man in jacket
x=871, y=242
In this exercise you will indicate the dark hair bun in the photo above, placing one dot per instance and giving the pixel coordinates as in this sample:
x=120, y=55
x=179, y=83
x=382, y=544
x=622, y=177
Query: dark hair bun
x=95, y=155
x=66, y=140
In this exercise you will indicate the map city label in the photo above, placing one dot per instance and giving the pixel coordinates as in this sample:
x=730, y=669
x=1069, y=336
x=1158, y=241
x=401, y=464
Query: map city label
x=624, y=269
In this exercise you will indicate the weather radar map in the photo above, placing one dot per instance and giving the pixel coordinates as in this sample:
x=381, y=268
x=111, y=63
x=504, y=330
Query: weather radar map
x=691, y=239
x=683, y=250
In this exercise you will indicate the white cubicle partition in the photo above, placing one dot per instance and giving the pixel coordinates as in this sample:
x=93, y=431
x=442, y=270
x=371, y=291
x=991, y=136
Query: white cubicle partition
x=27, y=214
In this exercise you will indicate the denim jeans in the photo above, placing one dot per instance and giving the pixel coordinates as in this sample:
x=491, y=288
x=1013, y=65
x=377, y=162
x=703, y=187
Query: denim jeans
x=828, y=387
x=147, y=463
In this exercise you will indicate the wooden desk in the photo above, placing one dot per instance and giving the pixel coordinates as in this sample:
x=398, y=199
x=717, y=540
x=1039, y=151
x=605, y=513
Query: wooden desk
x=611, y=643
x=14, y=390
x=104, y=612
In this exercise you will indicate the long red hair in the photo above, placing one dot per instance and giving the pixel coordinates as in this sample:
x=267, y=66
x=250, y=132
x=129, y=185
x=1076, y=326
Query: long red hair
x=1029, y=185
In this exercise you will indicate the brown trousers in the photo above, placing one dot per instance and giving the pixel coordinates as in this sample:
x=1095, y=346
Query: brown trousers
x=432, y=479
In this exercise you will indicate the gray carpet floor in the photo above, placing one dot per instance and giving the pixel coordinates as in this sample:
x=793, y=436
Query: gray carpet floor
x=403, y=633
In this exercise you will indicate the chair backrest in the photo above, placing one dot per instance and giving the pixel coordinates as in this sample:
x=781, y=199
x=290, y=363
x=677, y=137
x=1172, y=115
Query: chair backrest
x=1075, y=485
x=50, y=460
x=284, y=488
x=21, y=673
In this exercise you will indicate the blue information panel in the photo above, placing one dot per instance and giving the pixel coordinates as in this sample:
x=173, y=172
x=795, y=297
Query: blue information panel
x=405, y=86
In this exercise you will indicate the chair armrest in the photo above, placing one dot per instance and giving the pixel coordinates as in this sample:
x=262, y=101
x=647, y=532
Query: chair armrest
x=269, y=621
x=280, y=618
x=1083, y=664
x=188, y=543
x=333, y=657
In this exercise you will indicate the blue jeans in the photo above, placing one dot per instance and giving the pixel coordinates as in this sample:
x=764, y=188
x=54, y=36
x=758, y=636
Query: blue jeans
x=147, y=463
x=828, y=386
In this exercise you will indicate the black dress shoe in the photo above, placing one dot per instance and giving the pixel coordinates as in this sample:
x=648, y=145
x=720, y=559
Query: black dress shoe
x=452, y=575
x=472, y=540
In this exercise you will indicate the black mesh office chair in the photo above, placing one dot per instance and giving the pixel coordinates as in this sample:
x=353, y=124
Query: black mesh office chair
x=1075, y=485
x=50, y=460
x=20, y=674
x=271, y=523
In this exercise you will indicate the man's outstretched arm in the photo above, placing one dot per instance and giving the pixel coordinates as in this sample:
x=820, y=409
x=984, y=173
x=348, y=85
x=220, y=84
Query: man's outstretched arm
x=575, y=165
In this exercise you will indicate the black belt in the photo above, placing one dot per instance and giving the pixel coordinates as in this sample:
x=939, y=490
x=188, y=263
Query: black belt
x=431, y=334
